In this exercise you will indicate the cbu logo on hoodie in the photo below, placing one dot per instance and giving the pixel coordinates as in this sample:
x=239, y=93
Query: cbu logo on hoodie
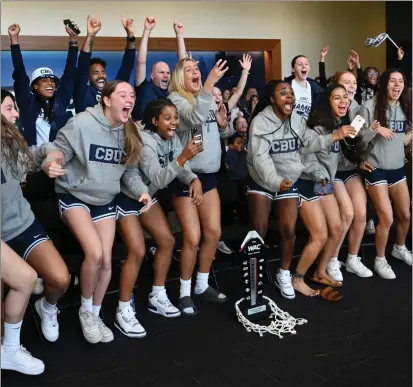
x=104, y=154
x=211, y=117
x=287, y=145
x=335, y=147
x=398, y=126
x=164, y=160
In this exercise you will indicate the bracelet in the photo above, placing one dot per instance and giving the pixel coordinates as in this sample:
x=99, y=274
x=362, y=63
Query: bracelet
x=179, y=165
x=245, y=72
x=73, y=43
x=132, y=39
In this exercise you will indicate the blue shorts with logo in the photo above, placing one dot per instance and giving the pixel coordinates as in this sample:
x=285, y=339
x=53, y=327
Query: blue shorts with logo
x=125, y=206
x=208, y=180
x=67, y=202
x=24, y=243
x=345, y=176
x=254, y=188
x=306, y=189
x=388, y=177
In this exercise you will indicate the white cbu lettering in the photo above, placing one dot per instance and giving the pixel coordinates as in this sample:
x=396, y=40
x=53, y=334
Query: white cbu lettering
x=109, y=155
x=335, y=147
x=284, y=146
x=100, y=153
x=398, y=126
x=291, y=144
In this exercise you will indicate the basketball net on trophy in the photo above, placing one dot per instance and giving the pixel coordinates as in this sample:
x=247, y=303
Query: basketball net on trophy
x=255, y=306
x=379, y=39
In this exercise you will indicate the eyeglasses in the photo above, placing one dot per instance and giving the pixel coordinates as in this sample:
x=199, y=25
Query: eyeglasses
x=372, y=73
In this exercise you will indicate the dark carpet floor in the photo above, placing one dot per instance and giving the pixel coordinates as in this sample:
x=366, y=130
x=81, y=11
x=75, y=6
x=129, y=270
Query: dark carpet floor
x=363, y=340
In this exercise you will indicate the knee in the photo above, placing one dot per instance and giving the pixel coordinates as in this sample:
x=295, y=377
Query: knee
x=212, y=234
x=347, y=217
x=404, y=216
x=386, y=219
x=60, y=280
x=319, y=238
x=95, y=256
x=360, y=215
x=191, y=240
x=167, y=242
x=136, y=253
x=336, y=230
x=287, y=232
x=28, y=281
x=261, y=227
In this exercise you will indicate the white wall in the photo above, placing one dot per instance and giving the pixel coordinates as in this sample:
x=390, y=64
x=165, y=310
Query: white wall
x=303, y=27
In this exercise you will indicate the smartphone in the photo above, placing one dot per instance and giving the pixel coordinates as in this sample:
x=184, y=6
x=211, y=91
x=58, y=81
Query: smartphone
x=72, y=26
x=197, y=132
x=323, y=189
x=357, y=123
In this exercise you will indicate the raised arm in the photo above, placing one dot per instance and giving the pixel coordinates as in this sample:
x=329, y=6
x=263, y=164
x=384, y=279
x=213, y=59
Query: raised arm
x=140, y=74
x=82, y=71
x=67, y=82
x=128, y=60
x=21, y=79
x=179, y=31
x=322, y=66
x=246, y=67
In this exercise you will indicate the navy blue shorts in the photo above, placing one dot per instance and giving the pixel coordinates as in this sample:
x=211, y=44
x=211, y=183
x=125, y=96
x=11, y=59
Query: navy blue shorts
x=208, y=180
x=125, y=206
x=24, y=243
x=255, y=189
x=345, y=176
x=306, y=189
x=67, y=201
x=389, y=177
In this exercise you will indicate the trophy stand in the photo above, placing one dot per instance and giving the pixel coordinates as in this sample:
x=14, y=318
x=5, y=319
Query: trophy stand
x=255, y=306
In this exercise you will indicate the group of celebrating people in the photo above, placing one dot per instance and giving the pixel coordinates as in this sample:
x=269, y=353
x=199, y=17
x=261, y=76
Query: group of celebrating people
x=108, y=164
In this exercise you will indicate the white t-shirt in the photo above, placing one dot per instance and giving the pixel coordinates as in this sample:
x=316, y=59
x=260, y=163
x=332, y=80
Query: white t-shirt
x=42, y=129
x=302, y=99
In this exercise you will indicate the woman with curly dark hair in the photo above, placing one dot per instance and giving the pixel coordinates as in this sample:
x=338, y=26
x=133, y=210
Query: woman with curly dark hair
x=386, y=177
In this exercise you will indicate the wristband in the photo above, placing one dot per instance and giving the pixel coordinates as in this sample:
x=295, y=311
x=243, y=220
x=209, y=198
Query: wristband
x=179, y=165
x=132, y=39
x=245, y=72
x=73, y=43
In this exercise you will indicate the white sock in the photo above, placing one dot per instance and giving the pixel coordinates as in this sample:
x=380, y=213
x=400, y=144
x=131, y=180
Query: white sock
x=156, y=290
x=123, y=305
x=380, y=258
x=96, y=310
x=48, y=307
x=334, y=258
x=201, y=282
x=87, y=304
x=282, y=271
x=397, y=247
x=185, y=290
x=11, y=342
x=349, y=256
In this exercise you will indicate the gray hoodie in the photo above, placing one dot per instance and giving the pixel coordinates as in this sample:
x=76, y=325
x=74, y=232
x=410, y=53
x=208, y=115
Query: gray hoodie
x=200, y=118
x=345, y=164
x=158, y=162
x=276, y=150
x=382, y=153
x=16, y=214
x=93, y=151
x=327, y=158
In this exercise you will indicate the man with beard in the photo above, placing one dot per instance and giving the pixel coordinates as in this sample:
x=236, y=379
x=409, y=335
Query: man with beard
x=157, y=87
x=91, y=73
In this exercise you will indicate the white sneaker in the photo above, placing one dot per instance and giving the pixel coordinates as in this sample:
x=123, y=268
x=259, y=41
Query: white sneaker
x=402, y=254
x=128, y=324
x=160, y=304
x=355, y=266
x=49, y=324
x=223, y=248
x=107, y=334
x=370, y=227
x=383, y=269
x=90, y=327
x=21, y=361
x=38, y=289
x=283, y=282
x=333, y=270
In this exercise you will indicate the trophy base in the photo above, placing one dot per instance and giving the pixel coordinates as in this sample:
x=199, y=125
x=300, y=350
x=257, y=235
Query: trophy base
x=260, y=311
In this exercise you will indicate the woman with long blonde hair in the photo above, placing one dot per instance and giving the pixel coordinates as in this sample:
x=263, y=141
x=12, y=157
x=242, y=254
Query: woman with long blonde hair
x=198, y=206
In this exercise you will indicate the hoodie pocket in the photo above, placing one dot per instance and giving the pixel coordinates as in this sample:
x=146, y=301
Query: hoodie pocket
x=96, y=191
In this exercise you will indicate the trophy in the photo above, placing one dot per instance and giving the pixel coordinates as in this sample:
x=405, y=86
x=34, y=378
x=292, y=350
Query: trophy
x=255, y=306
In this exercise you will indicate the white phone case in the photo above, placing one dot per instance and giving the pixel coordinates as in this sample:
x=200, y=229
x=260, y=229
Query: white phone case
x=357, y=123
